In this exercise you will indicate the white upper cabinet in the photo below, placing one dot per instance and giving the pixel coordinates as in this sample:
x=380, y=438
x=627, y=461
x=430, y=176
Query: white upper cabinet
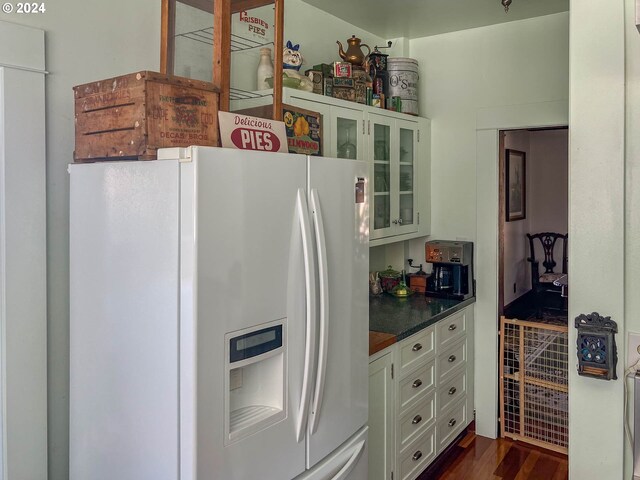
x=393, y=147
x=342, y=127
x=397, y=147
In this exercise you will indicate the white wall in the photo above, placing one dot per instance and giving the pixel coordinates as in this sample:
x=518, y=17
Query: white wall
x=597, y=221
x=631, y=302
x=317, y=31
x=466, y=77
x=462, y=72
x=87, y=41
x=516, y=246
x=549, y=181
x=23, y=302
x=632, y=193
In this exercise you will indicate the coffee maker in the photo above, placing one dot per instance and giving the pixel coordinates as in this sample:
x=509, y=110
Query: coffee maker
x=452, y=273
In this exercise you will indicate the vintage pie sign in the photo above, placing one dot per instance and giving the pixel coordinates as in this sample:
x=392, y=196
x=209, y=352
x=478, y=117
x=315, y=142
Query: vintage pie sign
x=252, y=133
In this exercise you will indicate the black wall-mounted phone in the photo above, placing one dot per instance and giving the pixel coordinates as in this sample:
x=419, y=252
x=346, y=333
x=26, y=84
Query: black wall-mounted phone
x=597, y=352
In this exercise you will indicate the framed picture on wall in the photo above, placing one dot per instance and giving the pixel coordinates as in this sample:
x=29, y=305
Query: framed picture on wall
x=515, y=183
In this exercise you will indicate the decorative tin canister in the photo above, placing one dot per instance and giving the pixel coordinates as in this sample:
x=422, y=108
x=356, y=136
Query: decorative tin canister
x=377, y=62
x=403, y=82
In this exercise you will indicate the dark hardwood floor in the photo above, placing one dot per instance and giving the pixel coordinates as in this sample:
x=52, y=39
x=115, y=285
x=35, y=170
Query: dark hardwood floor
x=480, y=458
x=524, y=307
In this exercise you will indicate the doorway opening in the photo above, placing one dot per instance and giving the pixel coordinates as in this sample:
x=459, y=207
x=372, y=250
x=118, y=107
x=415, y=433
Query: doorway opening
x=533, y=286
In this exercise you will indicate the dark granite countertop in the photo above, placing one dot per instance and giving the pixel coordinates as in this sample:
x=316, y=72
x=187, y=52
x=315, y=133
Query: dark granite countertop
x=403, y=317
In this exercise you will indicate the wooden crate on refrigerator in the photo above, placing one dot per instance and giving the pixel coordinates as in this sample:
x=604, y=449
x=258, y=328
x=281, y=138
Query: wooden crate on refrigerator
x=132, y=116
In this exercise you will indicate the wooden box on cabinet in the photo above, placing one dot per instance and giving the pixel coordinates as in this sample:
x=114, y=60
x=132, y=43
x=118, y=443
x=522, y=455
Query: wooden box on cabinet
x=131, y=116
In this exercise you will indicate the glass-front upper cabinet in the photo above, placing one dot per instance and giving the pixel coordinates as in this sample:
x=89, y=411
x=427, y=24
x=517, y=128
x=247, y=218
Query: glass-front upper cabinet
x=394, y=146
x=346, y=133
x=343, y=128
x=407, y=173
x=382, y=203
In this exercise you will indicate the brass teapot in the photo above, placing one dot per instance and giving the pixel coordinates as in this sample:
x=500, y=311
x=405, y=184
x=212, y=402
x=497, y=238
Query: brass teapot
x=354, y=53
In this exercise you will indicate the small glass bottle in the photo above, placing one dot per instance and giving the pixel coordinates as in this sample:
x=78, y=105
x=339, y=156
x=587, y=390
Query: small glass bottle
x=265, y=69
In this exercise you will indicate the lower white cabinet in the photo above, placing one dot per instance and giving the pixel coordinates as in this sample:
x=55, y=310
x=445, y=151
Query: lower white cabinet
x=420, y=397
x=381, y=417
x=414, y=460
x=451, y=423
x=415, y=421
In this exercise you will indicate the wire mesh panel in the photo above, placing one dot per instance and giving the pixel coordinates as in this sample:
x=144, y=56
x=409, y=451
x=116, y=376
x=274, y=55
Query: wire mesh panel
x=534, y=384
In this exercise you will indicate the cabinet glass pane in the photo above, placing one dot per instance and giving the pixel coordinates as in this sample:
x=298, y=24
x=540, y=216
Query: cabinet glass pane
x=193, y=40
x=406, y=208
x=406, y=145
x=381, y=140
x=406, y=160
x=251, y=33
x=347, y=139
x=382, y=209
x=406, y=178
x=381, y=177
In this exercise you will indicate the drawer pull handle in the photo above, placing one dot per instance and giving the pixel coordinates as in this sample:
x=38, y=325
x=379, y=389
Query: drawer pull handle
x=452, y=422
x=417, y=347
x=417, y=419
x=452, y=359
x=417, y=456
x=452, y=390
x=417, y=383
x=452, y=327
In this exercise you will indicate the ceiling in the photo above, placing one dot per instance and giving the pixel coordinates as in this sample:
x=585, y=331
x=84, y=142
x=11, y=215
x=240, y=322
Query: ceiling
x=421, y=18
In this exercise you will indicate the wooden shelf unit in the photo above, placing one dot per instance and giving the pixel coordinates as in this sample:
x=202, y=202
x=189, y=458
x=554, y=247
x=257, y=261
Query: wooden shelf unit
x=222, y=42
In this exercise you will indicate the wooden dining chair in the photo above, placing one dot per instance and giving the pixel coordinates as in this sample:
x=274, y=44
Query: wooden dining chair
x=542, y=281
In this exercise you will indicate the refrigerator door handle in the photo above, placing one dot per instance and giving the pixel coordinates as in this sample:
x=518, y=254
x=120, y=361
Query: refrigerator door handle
x=310, y=294
x=324, y=309
x=346, y=470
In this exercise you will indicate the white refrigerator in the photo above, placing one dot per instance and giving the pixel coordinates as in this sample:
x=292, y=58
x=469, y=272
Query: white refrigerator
x=219, y=317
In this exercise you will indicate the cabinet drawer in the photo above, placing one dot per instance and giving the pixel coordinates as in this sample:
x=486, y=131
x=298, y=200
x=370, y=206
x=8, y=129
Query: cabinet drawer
x=450, y=424
x=416, y=349
x=450, y=359
x=415, y=385
x=415, y=421
x=450, y=329
x=450, y=392
x=418, y=455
